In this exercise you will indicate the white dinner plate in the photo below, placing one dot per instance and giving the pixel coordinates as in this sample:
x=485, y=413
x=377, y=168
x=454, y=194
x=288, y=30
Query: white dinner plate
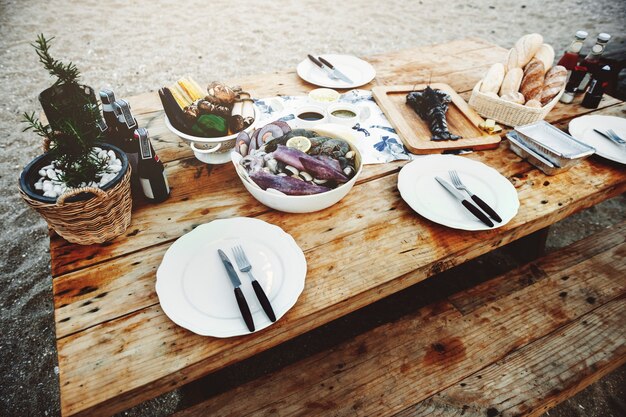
x=196, y=293
x=582, y=127
x=359, y=71
x=428, y=198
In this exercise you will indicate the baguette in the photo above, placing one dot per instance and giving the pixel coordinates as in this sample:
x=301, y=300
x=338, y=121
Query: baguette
x=512, y=60
x=512, y=81
x=515, y=97
x=493, y=79
x=554, y=82
x=527, y=46
x=532, y=82
x=546, y=55
x=533, y=103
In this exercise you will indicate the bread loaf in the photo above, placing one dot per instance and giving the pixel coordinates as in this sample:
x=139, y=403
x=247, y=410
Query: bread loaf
x=527, y=46
x=532, y=82
x=533, y=103
x=554, y=82
x=512, y=81
x=512, y=60
x=515, y=97
x=546, y=55
x=493, y=79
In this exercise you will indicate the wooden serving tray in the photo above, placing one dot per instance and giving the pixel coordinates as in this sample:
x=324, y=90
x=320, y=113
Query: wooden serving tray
x=414, y=132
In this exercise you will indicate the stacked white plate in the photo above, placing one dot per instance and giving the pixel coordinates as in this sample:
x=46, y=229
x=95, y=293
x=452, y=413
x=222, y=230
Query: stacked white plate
x=196, y=293
x=582, y=128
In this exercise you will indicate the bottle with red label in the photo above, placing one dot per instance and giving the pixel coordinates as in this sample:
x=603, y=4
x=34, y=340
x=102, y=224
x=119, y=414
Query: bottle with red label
x=591, y=64
x=570, y=58
x=152, y=175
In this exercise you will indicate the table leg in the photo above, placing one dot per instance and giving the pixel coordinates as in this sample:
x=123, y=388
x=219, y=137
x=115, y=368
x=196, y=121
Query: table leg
x=529, y=247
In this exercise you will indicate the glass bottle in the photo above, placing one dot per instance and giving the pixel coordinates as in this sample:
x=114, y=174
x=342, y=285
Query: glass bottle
x=107, y=97
x=151, y=172
x=596, y=88
x=591, y=64
x=126, y=125
x=570, y=58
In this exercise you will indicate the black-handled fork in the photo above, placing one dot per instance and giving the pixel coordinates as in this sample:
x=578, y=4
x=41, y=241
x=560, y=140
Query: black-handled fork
x=456, y=181
x=244, y=266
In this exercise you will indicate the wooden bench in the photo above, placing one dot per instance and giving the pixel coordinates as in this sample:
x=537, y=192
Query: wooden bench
x=514, y=345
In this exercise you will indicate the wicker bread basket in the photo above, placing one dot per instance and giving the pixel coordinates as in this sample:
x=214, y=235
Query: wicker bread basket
x=507, y=112
x=84, y=215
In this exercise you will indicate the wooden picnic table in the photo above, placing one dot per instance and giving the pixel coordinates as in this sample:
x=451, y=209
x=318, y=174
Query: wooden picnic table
x=117, y=348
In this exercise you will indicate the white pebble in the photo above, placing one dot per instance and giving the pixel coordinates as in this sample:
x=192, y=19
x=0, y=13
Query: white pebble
x=42, y=172
x=57, y=189
x=39, y=185
x=111, y=154
x=50, y=194
x=47, y=167
x=116, y=162
x=52, y=174
x=115, y=168
x=97, y=149
x=102, y=155
x=47, y=186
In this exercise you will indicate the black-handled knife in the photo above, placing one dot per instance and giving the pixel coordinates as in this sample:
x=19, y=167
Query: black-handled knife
x=335, y=71
x=315, y=61
x=265, y=303
x=241, y=300
x=469, y=206
x=486, y=208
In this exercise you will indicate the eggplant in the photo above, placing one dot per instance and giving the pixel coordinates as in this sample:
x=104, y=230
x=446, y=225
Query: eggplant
x=173, y=111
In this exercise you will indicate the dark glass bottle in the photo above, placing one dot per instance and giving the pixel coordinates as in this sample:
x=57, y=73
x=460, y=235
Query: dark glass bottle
x=591, y=63
x=111, y=135
x=596, y=88
x=151, y=172
x=126, y=125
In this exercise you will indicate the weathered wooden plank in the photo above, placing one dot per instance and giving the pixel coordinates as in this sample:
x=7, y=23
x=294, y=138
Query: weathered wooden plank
x=475, y=297
x=540, y=375
x=341, y=263
x=384, y=370
x=377, y=214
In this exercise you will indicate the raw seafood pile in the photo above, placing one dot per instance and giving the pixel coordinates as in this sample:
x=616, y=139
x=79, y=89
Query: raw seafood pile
x=432, y=105
x=295, y=162
x=221, y=112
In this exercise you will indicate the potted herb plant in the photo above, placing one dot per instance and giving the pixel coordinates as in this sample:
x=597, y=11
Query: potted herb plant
x=80, y=185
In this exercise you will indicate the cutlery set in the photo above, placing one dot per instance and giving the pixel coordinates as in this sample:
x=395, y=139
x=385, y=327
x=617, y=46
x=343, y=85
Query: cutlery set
x=244, y=266
x=612, y=136
x=477, y=212
x=330, y=70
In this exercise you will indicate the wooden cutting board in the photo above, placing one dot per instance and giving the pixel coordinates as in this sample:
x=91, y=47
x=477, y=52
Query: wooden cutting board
x=415, y=133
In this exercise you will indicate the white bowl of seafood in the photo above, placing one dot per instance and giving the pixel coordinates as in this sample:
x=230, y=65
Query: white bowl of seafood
x=297, y=170
x=208, y=122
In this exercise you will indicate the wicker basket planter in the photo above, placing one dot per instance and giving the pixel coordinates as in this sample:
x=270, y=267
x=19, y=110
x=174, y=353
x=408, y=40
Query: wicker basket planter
x=83, y=215
x=507, y=112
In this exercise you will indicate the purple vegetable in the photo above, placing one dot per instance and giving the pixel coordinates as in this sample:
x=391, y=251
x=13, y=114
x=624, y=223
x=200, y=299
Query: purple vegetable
x=287, y=185
x=322, y=170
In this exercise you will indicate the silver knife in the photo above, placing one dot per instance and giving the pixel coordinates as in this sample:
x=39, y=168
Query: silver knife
x=469, y=206
x=241, y=300
x=335, y=71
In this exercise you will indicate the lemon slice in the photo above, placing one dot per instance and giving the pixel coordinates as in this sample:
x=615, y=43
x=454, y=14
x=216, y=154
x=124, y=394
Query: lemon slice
x=302, y=143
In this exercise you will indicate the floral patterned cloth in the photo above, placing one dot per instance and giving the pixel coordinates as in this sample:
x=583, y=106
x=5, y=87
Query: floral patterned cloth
x=377, y=141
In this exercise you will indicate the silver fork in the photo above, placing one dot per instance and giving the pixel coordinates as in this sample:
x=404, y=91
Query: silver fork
x=244, y=266
x=458, y=184
x=615, y=137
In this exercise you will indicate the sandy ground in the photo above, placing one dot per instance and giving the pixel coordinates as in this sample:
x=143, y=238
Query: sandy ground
x=141, y=46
